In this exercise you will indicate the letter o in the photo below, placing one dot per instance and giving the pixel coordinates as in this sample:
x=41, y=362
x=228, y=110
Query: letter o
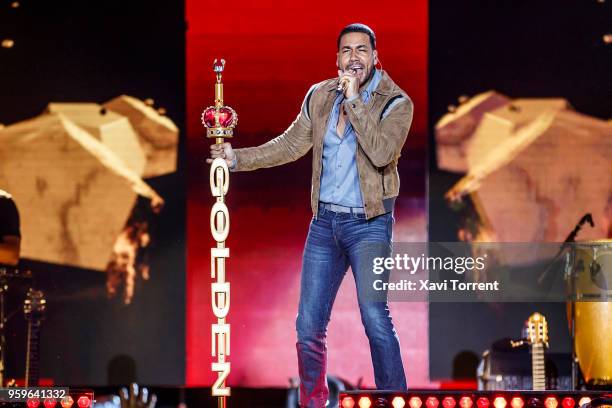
x=219, y=236
x=215, y=189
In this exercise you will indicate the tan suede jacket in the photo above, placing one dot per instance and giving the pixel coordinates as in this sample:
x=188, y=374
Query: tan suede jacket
x=380, y=136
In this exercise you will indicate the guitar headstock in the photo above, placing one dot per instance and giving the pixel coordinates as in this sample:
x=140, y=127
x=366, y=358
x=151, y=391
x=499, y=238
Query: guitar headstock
x=537, y=329
x=35, y=305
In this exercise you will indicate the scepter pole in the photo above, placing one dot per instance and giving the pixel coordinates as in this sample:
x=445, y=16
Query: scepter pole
x=220, y=121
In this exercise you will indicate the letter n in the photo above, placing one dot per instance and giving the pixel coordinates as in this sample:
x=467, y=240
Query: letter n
x=223, y=370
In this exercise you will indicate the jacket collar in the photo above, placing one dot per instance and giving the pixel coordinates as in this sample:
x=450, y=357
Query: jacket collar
x=385, y=86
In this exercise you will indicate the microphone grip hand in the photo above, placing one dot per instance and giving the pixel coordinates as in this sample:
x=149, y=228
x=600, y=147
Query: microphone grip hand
x=343, y=84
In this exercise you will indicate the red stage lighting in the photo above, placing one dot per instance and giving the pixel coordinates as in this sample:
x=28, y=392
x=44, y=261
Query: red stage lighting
x=398, y=402
x=551, y=402
x=517, y=402
x=414, y=402
x=482, y=402
x=465, y=402
x=348, y=402
x=49, y=403
x=33, y=403
x=466, y=399
x=84, y=402
x=568, y=402
x=448, y=402
x=365, y=402
x=499, y=402
x=67, y=402
x=432, y=402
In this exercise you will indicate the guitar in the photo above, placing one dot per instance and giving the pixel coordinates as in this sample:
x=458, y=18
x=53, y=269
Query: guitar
x=34, y=308
x=537, y=337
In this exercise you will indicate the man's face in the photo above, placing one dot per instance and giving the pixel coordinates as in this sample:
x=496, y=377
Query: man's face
x=356, y=53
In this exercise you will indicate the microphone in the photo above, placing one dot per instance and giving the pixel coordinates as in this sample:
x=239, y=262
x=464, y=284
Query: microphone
x=343, y=84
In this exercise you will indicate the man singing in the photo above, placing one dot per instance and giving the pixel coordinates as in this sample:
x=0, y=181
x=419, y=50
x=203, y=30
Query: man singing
x=356, y=125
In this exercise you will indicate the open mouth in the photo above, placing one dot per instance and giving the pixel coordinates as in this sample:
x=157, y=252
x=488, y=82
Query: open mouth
x=356, y=68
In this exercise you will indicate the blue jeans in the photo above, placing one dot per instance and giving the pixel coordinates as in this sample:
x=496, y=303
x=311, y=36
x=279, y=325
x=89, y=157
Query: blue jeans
x=335, y=241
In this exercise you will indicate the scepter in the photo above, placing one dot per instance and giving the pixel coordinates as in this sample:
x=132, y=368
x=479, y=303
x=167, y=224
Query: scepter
x=219, y=121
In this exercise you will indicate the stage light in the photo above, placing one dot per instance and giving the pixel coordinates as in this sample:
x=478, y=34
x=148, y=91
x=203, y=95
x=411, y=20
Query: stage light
x=33, y=403
x=499, y=402
x=448, y=402
x=348, y=402
x=464, y=399
x=49, y=403
x=607, y=38
x=365, y=402
x=67, y=402
x=149, y=102
x=84, y=401
x=8, y=43
x=482, y=402
x=15, y=4
x=432, y=402
x=551, y=402
x=517, y=402
x=568, y=402
x=584, y=400
x=398, y=402
x=414, y=402
x=465, y=402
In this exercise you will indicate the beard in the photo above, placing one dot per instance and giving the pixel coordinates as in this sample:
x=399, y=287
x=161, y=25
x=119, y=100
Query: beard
x=368, y=75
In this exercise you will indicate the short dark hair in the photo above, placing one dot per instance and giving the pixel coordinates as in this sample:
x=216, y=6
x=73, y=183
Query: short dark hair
x=358, y=28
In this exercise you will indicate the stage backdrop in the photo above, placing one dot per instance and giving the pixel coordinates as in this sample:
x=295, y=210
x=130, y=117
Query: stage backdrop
x=275, y=51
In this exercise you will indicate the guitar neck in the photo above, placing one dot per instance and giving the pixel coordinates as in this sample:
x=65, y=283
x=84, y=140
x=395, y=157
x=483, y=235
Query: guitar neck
x=32, y=356
x=538, y=369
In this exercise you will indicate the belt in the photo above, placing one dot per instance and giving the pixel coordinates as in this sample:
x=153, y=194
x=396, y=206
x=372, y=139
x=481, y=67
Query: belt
x=342, y=209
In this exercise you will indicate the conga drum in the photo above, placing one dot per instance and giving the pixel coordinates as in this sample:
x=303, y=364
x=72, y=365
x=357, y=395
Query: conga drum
x=592, y=282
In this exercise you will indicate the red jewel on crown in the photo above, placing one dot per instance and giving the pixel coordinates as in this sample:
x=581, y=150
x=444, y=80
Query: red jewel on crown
x=219, y=122
x=224, y=117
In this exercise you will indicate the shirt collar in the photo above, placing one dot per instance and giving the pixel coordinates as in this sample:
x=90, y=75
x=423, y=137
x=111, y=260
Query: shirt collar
x=371, y=86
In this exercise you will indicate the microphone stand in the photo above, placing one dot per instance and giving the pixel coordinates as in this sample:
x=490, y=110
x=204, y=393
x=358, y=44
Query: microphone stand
x=571, y=238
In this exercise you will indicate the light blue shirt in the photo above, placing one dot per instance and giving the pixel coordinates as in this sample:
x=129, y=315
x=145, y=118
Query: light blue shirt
x=340, y=179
